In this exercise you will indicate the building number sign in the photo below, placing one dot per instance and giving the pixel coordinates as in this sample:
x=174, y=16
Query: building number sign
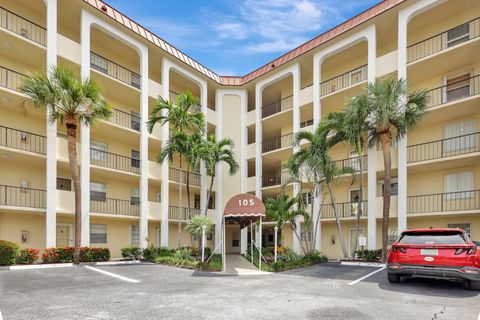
x=245, y=202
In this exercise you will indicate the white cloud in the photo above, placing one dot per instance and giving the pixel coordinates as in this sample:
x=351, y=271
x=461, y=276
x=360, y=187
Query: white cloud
x=233, y=30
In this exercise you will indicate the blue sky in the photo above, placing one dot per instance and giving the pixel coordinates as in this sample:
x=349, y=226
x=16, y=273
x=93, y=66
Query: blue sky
x=234, y=37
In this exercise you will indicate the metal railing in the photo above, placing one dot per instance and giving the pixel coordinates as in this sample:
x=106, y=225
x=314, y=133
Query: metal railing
x=180, y=176
x=353, y=163
x=115, y=206
x=22, y=197
x=443, y=148
x=125, y=119
x=277, y=106
x=177, y=213
x=114, y=161
x=275, y=179
x=114, y=70
x=442, y=95
x=11, y=79
x=173, y=99
x=344, y=210
x=277, y=143
x=344, y=80
x=22, y=140
x=444, y=40
x=444, y=202
x=23, y=27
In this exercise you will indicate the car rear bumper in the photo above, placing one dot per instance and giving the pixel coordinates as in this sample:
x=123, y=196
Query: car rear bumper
x=461, y=273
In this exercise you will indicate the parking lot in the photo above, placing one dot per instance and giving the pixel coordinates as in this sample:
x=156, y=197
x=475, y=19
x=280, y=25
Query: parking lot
x=148, y=291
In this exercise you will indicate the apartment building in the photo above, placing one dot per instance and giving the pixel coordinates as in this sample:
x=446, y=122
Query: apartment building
x=128, y=197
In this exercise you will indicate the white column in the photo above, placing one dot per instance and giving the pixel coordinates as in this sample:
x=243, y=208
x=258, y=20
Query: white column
x=218, y=170
x=51, y=174
x=404, y=17
x=258, y=141
x=165, y=166
x=372, y=153
x=203, y=173
x=85, y=137
x=317, y=114
x=296, y=128
x=143, y=227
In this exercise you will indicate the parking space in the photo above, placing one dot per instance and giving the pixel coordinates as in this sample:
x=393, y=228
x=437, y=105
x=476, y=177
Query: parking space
x=161, y=292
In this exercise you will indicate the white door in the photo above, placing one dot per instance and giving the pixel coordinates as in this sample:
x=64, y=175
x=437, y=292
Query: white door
x=236, y=241
x=64, y=235
x=351, y=238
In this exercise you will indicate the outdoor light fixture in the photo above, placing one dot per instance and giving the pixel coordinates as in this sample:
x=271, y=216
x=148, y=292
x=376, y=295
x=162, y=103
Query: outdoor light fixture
x=332, y=239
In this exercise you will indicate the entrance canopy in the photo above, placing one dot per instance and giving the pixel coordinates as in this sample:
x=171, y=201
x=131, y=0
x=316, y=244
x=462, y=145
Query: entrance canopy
x=244, y=208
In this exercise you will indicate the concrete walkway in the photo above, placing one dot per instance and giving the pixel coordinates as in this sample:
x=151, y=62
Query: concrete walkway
x=238, y=265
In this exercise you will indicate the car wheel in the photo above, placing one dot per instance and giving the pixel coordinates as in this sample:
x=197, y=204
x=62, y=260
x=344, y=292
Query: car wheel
x=393, y=278
x=474, y=285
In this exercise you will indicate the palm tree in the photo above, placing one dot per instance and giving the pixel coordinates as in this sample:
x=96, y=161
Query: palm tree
x=282, y=210
x=316, y=156
x=195, y=227
x=72, y=101
x=193, y=145
x=214, y=152
x=182, y=119
x=350, y=126
x=392, y=112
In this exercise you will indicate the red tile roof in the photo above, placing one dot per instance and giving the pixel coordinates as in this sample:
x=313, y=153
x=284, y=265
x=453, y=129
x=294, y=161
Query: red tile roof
x=240, y=80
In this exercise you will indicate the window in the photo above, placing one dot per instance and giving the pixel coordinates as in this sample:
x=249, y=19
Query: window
x=306, y=123
x=393, y=186
x=98, y=150
x=196, y=201
x=64, y=184
x=308, y=236
x=135, y=121
x=98, y=233
x=98, y=191
x=135, y=159
x=459, y=136
x=392, y=235
x=458, y=35
x=159, y=237
x=158, y=196
x=307, y=198
x=464, y=226
x=24, y=185
x=458, y=185
x=458, y=87
x=134, y=235
x=135, y=197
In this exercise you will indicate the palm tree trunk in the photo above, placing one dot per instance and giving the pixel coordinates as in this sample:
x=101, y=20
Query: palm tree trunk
x=180, y=203
x=209, y=194
x=188, y=192
x=387, y=186
x=317, y=221
x=337, y=219
x=295, y=231
x=72, y=159
x=359, y=203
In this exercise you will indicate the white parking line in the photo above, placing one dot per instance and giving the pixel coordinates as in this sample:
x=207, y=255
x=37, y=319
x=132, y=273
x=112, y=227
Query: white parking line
x=1, y=318
x=478, y=316
x=368, y=275
x=112, y=275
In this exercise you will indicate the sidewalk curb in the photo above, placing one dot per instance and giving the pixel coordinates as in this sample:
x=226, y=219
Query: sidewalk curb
x=66, y=265
x=363, y=264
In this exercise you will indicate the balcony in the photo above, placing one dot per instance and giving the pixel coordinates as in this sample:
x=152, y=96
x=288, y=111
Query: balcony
x=344, y=210
x=177, y=213
x=353, y=163
x=277, y=107
x=443, y=41
x=277, y=143
x=22, y=197
x=444, y=202
x=22, y=140
x=453, y=92
x=10, y=79
x=114, y=70
x=125, y=119
x=444, y=148
x=345, y=80
x=114, y=161
x=116, y=207
x=173, y=99
x=23, y=27
x=181, y=177
x=275, y=179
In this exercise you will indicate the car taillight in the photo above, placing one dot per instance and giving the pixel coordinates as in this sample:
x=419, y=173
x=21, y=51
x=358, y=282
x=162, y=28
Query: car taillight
x=472, y=250
x=401, y=249
x=459, y=251
x=469, y=251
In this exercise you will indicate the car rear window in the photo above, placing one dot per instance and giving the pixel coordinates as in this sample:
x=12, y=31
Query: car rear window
x=432, y=238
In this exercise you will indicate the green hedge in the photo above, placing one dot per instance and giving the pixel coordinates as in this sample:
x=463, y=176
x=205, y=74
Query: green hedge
x=131, y=253
x=8, y=252
x=65, y=254
x=369, y=255
x=89, y=254
x=27, y=256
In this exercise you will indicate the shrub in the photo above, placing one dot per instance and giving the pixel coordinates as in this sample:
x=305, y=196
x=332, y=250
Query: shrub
x=152, y=252
x=369, y=255
x=184, y=254
x=268, y=251
x=27, y=256
x=173, y=261
x=8, y=252
x=131, y=252
x=278, y=266
x=58, y=255
x=314, y=257
x=88, y=254
x=290, y=256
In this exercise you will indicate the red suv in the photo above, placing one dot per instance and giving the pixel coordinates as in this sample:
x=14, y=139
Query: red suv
x=435, y=253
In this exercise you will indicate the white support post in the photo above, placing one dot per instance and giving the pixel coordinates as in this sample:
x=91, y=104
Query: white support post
x=296, y=128
x=51, y=174
x=143, y=228
x=203, y=172
x=165, y=166
x=203, y=243
x=251, y=241
x=85, y=134
x=260, y=246
x=276, y=243
x=258, y=142
x=224, y=253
